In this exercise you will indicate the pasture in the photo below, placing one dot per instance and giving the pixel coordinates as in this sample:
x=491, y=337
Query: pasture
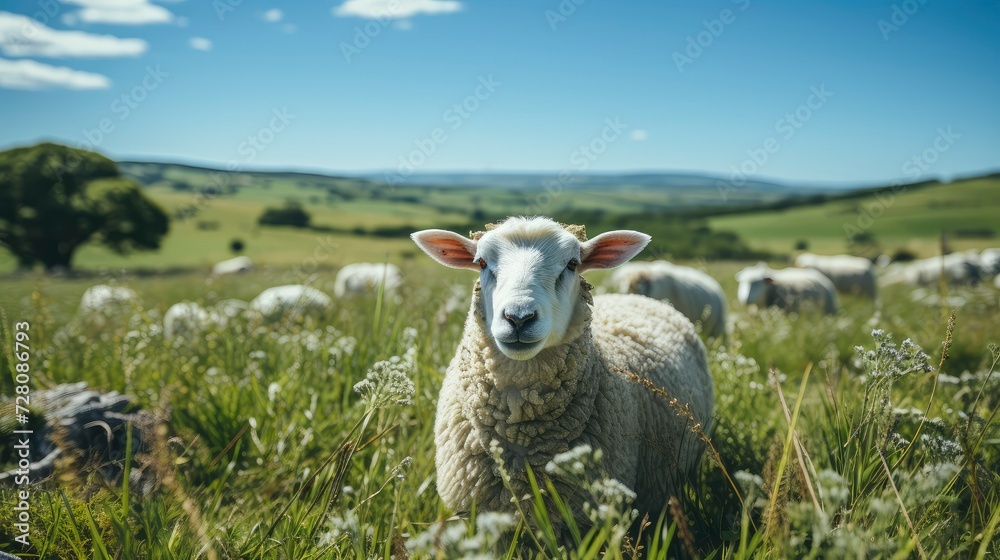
x=265, y=446
x=909, y=218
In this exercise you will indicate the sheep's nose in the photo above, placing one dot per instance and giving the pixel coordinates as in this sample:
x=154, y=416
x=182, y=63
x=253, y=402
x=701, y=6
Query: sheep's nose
x=519, y=320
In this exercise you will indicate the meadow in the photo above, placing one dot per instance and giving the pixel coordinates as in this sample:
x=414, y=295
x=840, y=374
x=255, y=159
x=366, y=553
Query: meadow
x=833, y=436
x=910, y=219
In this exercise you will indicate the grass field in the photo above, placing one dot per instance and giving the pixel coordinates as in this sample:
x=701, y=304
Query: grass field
x=264, y=449
x=911, y=219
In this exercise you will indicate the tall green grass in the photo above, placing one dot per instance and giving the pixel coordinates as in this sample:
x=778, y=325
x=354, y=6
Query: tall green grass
x=307, y=440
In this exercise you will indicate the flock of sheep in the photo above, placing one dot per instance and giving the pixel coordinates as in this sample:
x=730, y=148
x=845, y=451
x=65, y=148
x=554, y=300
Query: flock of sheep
x=544, y=366
x=291, y=302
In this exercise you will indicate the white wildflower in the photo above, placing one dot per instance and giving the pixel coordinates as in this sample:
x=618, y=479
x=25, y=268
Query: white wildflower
x=386, y=383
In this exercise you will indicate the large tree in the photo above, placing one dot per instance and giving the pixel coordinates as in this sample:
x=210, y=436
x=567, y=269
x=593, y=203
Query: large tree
x=53, y=199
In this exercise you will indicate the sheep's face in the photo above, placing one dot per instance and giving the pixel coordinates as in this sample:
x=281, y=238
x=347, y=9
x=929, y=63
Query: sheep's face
x=529, y=275
x=754, y=283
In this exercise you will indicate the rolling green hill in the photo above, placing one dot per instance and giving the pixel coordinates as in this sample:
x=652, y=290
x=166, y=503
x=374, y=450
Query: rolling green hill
x=910, y=217
x=359, y=219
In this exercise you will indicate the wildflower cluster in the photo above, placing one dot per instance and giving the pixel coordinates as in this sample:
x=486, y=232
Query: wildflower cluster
x=890, y=361
x=452, y=540
x=387, y=383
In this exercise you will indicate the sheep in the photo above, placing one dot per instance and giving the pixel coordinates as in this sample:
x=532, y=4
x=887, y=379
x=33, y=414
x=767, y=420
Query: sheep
x=185, y=319
x=544, y=367
x=692, y=292
x=236, y=265
x=989, y=262
x=293, y=302
x=850, y=275
x=366, y=277
x=188, y=319
x=100, y=303
x=958, y=268
x=791, y=289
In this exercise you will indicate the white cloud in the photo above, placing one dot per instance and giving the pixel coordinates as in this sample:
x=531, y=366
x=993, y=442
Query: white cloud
x=23, y=36
x=122, y=12
x=395, y=9
x=28, y=74
x=638, y=135
x=200, y=44
x=274, y=15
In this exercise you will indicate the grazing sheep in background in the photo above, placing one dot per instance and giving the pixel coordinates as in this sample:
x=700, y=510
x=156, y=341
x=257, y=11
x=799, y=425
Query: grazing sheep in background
x=293, y=302
x=100, y=303
x=236, y=265
x=544, y=367
x=188, y=319
x=850, y=275
x=692, y=292
x=185, y=319
x=229, y=309
x=989, y=262
x=958, y=268
x=367, y=277
x=790, y=289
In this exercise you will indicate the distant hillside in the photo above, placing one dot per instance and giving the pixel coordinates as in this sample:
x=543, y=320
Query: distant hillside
x=909, y=218
x=485, y=194
x=584, y=181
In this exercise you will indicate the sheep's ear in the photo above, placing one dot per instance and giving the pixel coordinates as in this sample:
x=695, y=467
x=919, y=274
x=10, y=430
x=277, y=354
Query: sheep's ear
x=447, y=248
x=611, y=249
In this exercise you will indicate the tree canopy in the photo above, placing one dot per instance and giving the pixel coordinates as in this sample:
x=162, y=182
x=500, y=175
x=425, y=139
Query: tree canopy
x=53, y=199
x=291, y=215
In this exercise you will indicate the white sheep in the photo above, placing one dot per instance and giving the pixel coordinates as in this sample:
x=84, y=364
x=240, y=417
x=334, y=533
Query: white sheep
x=849, y=274
x=791, y=289
x=101, y=303
x=292, y=302
x=360, y=278
x=957, y=268
x=235, y=265
x=186, y=320
x=692, y=292
x=544, y=367
x=989, y=262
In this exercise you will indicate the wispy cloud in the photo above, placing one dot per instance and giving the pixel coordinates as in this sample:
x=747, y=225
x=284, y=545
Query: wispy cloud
x=638, y=135
x=274, y=15
x=121, y=12
x=23, y=36
x=200, y=44
x=395, y=9
x=31, y=75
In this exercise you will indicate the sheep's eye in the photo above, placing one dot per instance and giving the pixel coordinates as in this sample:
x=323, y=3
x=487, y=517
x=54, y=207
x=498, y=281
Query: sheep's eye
x=572, y=264
x=482, y=263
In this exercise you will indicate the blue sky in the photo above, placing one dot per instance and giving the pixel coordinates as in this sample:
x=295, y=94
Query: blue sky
x=364, y=85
